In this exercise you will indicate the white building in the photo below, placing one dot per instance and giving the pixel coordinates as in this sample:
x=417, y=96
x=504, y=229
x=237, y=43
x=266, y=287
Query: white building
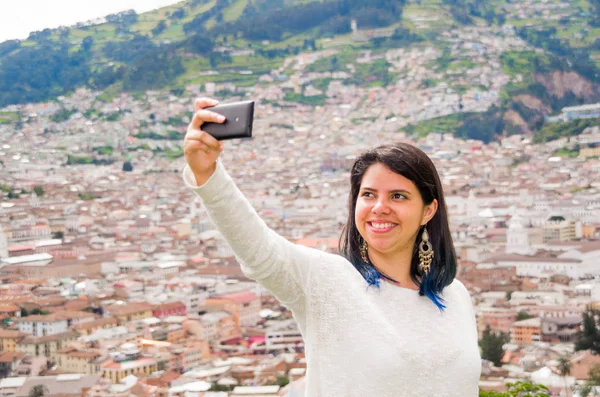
x=3, y=244
x=537, y=298
x=42, y=325
x=589, y=256
x=283, y=335
x=517, y=238
x=540, y=267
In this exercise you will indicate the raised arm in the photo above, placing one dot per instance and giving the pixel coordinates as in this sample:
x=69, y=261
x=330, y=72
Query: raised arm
x=277, y=264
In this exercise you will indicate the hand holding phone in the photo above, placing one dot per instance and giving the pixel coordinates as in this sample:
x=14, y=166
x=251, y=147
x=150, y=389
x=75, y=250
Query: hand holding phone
x=201, y=149
x=239, y=117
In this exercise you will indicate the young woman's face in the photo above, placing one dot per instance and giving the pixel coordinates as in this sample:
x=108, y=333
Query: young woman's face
x=389, y=210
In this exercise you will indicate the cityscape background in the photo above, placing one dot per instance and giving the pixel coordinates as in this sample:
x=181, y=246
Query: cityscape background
x=114, y=282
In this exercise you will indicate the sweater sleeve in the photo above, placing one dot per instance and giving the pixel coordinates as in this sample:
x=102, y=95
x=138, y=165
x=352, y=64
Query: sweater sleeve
x=274, y=262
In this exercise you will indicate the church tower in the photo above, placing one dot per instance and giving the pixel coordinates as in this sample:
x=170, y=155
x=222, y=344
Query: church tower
x=517, y=239
x=472, y=206
x=3, y=244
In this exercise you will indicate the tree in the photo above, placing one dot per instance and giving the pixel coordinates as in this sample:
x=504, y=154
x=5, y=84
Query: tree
x=38, y=190
x=281, y=380
x=594, y=375
x=592, y=385
x=596, y=17
x=159, y=28
x=127, y=166
x=491, y=345
x=564, y=368
x=37, y=391
x=523, y=315
x=590, y=335
x=87, y=43
x=519, y=389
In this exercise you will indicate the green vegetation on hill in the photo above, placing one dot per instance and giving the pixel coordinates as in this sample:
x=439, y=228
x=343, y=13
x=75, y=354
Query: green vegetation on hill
x=314, y=100
x=469, y=125
x=578, y=58
x=137, y=53
x=467, y=12
x=71, y=160
x=168, y=49
x=532, y=67
x=9, y=117
x=62, y=115
x=528, y=63
x=552, y=131
x=444, y=125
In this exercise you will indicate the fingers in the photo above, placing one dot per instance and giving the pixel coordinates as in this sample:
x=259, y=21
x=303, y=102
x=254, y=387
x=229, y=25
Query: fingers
x=202, y=103
x=191, y=145
x=203, y=116
x=196, y=139
x=207, y=140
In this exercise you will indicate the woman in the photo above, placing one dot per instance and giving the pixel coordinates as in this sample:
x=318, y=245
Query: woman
x=387, y=317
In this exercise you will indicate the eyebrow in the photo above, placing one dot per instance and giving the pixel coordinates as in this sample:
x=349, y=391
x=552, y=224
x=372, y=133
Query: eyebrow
x=391, y=191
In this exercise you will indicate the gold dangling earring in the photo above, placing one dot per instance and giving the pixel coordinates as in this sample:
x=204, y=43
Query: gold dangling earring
x=363, y=251
x=425, y=253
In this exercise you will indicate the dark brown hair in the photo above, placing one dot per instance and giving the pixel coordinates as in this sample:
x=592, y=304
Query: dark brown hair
x=412, y=163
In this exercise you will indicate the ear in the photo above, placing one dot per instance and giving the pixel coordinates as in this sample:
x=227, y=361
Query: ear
x=429, y=211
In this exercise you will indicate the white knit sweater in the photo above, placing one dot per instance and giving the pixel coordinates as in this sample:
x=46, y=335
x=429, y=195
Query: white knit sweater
x=359, y=341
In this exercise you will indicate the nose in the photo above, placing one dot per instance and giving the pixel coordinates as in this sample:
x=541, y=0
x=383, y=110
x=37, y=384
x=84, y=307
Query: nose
x=380, y=207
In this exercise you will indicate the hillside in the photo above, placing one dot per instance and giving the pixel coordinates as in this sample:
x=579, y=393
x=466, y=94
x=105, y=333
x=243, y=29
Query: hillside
x=551, y=56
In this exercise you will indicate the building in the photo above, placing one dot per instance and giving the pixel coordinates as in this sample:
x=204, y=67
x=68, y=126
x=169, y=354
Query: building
x=592, y=150
x=9, y=339
x=588, y=111
x=245, y=306
x=517, y=237
x=75, y=384
x=81, y=362
x=9, y=310
x=527, y=331
x=172, y=333
x=51, y=324
x=539, y=266
x=588, y=254
x=185, y=358
x=9, y=361
x=130, y=311
x=45, y=346
x=561, y=230
x=536, y=298
x=214, y=327
x=40, y=325
x=284, y=335
x=499, y=320
x=491, y=277
x=116, y=371
x=560, y=329
x=176, y=308
x=582, y=362
x=45, y=266
x=89, y=327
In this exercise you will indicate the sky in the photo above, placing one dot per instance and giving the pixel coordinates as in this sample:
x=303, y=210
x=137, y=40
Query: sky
x=20, y=17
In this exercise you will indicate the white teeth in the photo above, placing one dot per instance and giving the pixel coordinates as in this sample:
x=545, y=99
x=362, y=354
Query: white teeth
x=382, y=225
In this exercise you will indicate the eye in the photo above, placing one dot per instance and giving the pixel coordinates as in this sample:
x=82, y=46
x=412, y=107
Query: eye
x=364, y=194
x=398, y=195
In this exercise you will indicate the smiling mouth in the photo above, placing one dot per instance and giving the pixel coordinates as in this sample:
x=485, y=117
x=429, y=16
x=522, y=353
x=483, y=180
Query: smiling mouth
x=381, y=227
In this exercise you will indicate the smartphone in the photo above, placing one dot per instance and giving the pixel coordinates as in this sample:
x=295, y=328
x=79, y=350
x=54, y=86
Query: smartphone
x=238, y=121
